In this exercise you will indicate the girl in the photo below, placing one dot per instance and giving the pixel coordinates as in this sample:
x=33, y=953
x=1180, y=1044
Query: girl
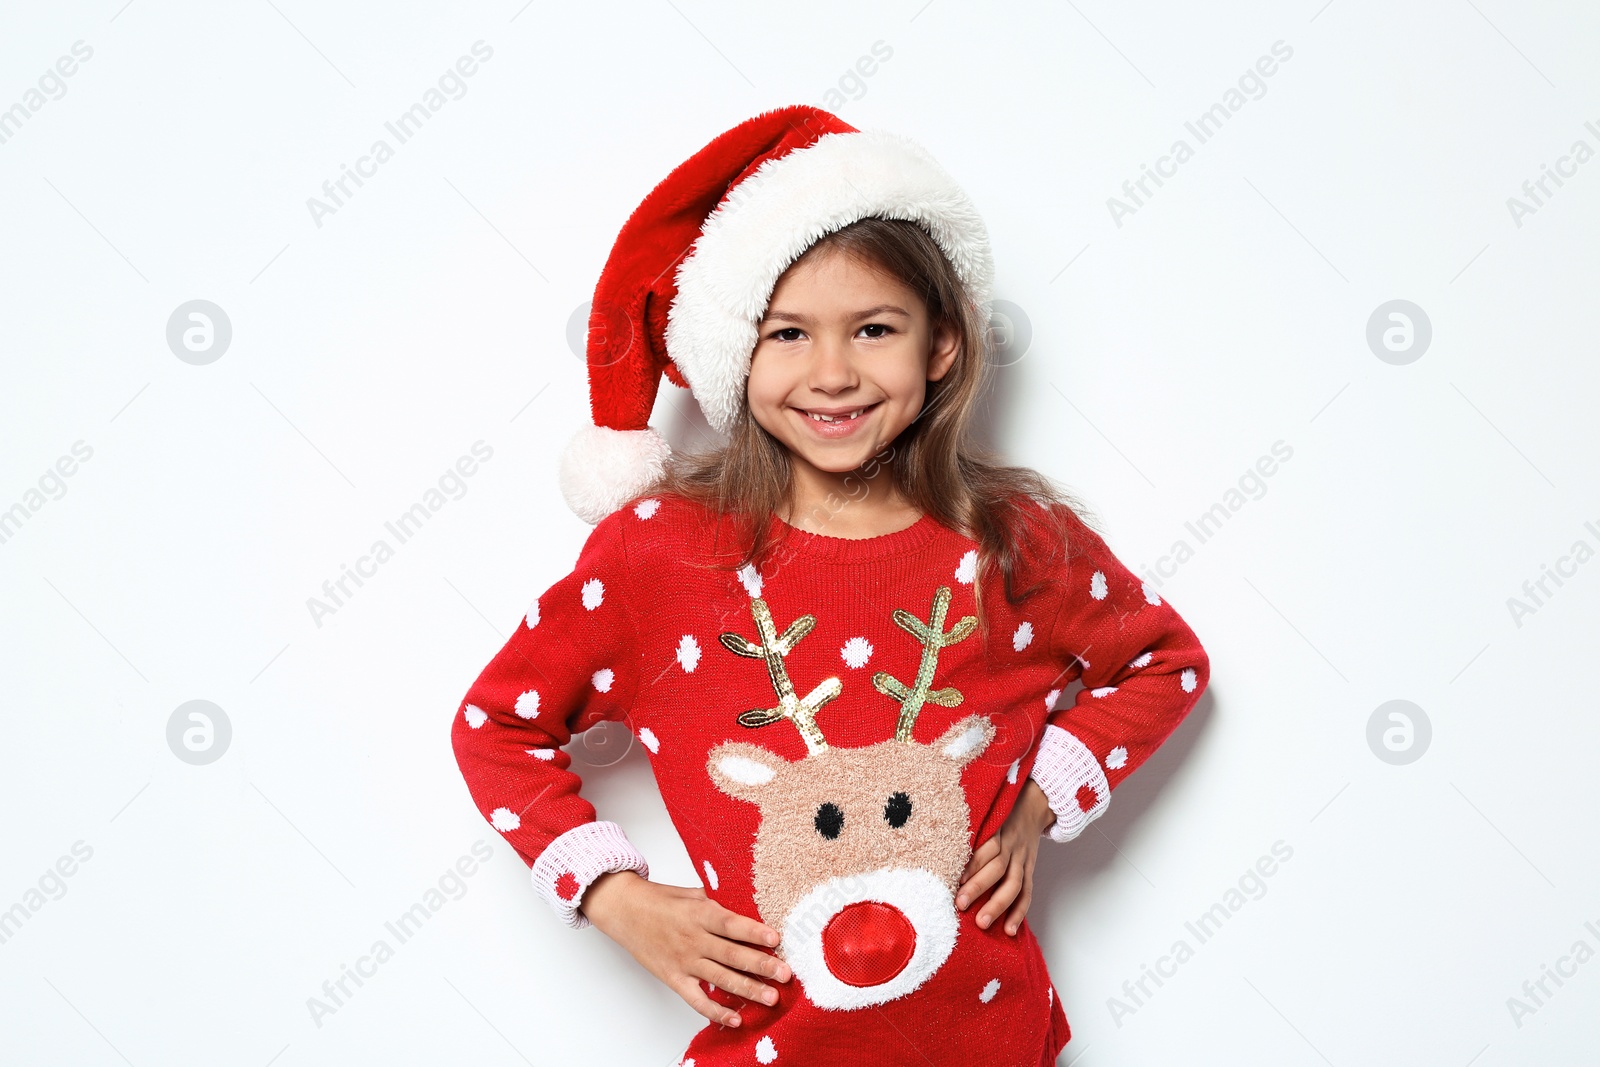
x=840, y=635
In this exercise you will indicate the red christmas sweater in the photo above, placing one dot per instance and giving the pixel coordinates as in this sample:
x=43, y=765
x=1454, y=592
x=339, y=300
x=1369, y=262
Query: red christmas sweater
x=832, y=736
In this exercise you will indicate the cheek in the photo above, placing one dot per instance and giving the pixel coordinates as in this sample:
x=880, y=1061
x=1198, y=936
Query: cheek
x=763, y=387
x=907, y=373
x=766, y=393
x=908, y=386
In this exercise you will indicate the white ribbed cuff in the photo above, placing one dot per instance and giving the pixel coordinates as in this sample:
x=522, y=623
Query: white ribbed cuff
x=568, y=864
x=1068, y=772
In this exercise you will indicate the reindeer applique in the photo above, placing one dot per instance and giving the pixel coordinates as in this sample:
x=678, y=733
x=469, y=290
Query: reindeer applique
x=860, y=850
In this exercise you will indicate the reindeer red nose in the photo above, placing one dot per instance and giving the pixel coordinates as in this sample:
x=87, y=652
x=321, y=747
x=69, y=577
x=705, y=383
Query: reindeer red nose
x=868, y=942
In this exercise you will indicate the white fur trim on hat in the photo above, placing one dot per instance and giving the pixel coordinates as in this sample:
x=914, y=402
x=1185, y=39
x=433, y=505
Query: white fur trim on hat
x=602, y=469
x=771, y=217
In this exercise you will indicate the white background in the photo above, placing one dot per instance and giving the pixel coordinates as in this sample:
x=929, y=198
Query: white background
x=1166, y=356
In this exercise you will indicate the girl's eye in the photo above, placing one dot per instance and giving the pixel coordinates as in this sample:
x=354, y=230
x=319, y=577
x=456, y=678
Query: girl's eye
x=876, y=326
x=779, y=334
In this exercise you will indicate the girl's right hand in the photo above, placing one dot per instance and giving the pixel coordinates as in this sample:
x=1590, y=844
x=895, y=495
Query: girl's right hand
x=681, y=936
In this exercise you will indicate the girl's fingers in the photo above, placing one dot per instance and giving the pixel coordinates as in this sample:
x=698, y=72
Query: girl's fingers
x=1003, y=895
x=1019, y=911
x=731, y=924
x=689, y=989
x=982, y=856
x=980, y=881
x=750, y=960
x=737, y=983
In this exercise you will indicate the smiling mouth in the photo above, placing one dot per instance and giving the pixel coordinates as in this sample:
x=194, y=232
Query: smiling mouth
x=846, y=416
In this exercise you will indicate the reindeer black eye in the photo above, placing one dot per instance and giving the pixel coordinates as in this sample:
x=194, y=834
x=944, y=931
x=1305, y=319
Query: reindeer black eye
x=829, y=820
x=897, y=810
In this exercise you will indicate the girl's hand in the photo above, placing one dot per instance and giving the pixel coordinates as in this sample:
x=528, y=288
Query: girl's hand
x=681, y=936
x=1009, y=854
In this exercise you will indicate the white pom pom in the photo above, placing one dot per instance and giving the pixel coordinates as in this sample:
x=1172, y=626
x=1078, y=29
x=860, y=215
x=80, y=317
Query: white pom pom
x=602, y=468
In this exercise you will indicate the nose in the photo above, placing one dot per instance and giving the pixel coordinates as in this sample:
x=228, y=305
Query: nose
x=868, y=942
x=832, y=369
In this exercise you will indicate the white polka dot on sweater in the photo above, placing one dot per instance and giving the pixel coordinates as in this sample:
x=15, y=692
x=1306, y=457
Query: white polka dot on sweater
x=967, y=570
x=1049, y=998
x=1188, y=679
x=856, y=651
x=765, y=1052
x=751, y=580
x=603, y=678
x=1142, y=661
x=1103, y=691
x=688, y=653
x=711, y=873
x=1050, y=699
x=594, y=591
x=528, y=704
x=1150, y=593
x=1023, y=637
x=541, y=753
x=474, y=715
x=504, y=819
x=1117, y=757
x=646, y=508
x=990, y=990
x=1097, y=585
x=1011, y=772
x=651, y=741
x=531, y=619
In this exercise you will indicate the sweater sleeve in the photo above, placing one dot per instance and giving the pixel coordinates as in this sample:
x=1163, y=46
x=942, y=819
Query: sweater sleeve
x=1142, y=670
x=571, y=664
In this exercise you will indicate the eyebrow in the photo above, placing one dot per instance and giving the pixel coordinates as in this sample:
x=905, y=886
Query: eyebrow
x=866, y=313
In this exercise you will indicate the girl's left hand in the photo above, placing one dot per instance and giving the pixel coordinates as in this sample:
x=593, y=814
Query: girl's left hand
x=1009, y=855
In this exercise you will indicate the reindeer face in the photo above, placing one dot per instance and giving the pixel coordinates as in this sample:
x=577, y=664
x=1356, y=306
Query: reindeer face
x=858, y=857
x=860, y=850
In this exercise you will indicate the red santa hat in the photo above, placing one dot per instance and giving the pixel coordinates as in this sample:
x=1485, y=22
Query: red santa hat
x=692, y=270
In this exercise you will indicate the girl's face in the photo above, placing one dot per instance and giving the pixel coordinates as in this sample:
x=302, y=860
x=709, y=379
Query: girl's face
x=845, y=340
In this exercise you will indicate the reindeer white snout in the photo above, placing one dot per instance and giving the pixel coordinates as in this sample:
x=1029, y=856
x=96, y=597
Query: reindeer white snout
x=860, y=850
x=894, y=933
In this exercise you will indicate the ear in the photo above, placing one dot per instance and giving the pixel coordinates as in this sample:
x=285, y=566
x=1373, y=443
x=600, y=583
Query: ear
x=944, y=346
x=744, y=771
x=963, y=742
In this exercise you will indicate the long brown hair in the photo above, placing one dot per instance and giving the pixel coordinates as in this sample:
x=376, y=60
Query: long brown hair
x=934, y=463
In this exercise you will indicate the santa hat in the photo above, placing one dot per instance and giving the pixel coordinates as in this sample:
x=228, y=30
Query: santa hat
x=693, y=268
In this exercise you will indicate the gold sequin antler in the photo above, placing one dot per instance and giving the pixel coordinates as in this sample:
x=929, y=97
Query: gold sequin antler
x=933, y=638
x=803, y=713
